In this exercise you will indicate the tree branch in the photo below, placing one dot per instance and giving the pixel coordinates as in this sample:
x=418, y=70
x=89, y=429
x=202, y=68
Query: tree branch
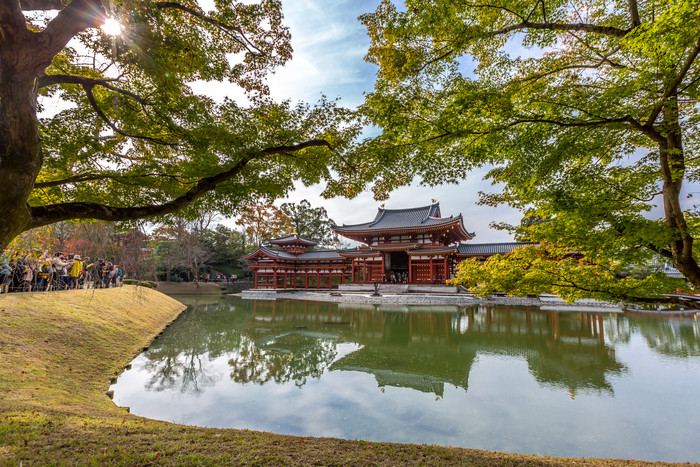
x=672, y=88
x=591, y=123
x=634, y=13
x=49, y=214
x=91, y=98
x=49, y=80
x=586, y=27
x=31, y=5
x=13, y=19
x=297, y=147
x=567, y=67
x=496, y=7
x=433, y=60
x=95, y=177
x=74, y=18
x=234, y=32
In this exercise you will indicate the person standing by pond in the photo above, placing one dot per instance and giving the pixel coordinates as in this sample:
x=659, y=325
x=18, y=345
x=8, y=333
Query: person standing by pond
x=5, y=274
x=59, y=271
x=74, y=272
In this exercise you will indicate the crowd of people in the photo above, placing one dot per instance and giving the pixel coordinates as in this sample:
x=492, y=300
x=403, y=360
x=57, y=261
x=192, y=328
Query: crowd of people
x=219, y=278
x=35, y=271
x=396, y=278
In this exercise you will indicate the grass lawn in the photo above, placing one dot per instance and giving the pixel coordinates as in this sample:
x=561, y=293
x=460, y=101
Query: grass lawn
x=58, y=351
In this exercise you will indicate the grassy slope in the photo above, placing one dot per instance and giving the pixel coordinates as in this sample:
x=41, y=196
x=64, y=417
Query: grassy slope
x=57, y=354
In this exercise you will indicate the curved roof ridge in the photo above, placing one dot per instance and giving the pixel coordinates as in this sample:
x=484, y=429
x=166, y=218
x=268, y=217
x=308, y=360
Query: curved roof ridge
x=438, y=218
x=291, y=238
x=429, y=207
x=378, y=217
x=433, y=211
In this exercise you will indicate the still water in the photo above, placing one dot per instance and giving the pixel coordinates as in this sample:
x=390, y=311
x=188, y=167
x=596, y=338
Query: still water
x=511, y=379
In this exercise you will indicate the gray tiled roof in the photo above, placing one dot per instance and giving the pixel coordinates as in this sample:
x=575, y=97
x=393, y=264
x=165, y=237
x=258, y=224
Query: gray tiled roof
x=477, y=249
x=403, y=218
x=320, y=255
x=277, y=253
x=292, y=239
x=360, y=253
x=432, y=251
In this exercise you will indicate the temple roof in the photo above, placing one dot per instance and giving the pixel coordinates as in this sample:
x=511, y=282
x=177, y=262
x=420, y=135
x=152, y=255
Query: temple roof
x=319, y=255
x=432, y=250
x=364, y=252
x=478, y=249
x=404, y=219
x=292, y=239
x=278, y=254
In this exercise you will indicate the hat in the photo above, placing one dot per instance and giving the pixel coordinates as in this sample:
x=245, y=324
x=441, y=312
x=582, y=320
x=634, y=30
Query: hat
x=76, y=257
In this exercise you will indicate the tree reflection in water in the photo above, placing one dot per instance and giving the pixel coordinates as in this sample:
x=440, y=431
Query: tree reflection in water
x=671, y=337
x=290, y=357
x=422, y=348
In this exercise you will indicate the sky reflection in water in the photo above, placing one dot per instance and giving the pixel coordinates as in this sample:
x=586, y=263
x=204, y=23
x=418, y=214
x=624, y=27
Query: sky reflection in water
x=500, y=378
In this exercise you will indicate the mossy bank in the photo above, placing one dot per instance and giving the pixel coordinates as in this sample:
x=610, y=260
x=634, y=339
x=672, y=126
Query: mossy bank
x=58, y=352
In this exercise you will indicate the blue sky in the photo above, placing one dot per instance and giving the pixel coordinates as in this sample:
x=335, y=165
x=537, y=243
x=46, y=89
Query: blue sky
x=329, y=48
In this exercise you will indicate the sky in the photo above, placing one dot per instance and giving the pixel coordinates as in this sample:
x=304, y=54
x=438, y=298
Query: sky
x=329, y=48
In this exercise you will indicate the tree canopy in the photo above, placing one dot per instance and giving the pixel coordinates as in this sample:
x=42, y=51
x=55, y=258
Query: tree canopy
x=130, y=139
x=264, y=221
x=590, y=125
x=312, y=223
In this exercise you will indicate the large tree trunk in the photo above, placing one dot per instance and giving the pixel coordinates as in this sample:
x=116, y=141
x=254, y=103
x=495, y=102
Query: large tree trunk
x=20, y=150
x=672, y=165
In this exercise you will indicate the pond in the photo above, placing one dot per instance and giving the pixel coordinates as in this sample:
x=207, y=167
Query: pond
x=516, y=379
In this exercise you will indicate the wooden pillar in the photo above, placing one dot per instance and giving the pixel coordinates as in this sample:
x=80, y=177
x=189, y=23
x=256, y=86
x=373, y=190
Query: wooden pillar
x=410, y=269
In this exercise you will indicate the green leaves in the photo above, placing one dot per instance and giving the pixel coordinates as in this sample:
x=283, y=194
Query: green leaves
x=556, y=269
x=585, y=114
x=312, y=223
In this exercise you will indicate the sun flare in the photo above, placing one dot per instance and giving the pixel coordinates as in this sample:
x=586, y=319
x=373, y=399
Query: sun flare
x=111, y=27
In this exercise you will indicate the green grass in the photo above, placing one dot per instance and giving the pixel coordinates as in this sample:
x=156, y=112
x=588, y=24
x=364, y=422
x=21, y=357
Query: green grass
x=58, y=352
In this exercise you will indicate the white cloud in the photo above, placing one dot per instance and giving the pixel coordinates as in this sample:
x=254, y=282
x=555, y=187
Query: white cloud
x=329, y=48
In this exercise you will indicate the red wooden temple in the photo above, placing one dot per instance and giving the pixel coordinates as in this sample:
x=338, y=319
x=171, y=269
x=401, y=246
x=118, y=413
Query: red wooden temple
x=415, y=246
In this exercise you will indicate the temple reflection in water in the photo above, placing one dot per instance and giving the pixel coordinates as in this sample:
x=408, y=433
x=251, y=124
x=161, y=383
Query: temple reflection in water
x=418, y=347
x=425, y=347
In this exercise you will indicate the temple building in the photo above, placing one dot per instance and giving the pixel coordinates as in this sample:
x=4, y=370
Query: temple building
x=414, y=246
x=291, y=266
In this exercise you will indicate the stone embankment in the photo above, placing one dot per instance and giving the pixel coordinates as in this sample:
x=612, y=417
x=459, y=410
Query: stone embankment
x=544, y=301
